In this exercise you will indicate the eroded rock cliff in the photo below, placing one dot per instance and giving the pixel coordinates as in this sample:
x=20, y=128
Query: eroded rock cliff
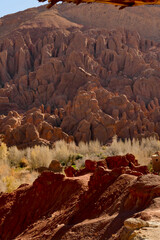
x=98, y=82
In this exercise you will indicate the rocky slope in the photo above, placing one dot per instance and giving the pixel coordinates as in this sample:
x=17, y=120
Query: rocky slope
x=32, y=128
x=97, y=202
x=91, y=83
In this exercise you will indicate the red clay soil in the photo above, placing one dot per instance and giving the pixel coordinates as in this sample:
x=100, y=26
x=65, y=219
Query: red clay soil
x=90, y=206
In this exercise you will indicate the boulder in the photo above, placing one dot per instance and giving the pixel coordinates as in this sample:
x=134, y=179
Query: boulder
x=143, y=191
x=55, y=166
x=134, y=223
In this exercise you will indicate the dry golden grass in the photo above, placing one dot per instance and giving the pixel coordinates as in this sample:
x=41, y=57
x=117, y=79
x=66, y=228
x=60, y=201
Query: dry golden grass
x=142, y=150
x=18, y=166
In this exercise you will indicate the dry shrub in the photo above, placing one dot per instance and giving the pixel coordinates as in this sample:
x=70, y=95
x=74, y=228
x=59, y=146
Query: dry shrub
x=15, y=155
x=93, y=147
x=11, y=175
x=15, y=178
x=61, y=151
x=4, y=171
x=3, y=153
x=141, y=149
x=64, y=152
x=40, y=156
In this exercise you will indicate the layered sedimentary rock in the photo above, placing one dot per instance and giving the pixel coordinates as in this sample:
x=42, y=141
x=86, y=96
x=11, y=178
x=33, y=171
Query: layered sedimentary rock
x=99, y=82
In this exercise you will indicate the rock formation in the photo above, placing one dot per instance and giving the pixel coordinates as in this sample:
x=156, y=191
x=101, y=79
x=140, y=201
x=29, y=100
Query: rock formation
x=65, y=74
x=31, y=128
x=97, y=202
x=89, y=83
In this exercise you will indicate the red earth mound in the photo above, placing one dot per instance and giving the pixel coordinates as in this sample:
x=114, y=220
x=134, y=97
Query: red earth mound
x=92, y=204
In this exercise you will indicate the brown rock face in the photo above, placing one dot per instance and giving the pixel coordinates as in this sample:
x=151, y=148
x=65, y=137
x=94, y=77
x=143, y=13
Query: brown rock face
x=90, y=165
x=59, y=207
x=89, y=83
x=31, y=128
x=143, y=191
x=119, y=161
x=50, y=180
x=31, y=133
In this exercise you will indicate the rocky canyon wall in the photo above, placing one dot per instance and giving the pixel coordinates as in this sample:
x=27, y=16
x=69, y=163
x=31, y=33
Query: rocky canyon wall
x=90, y=83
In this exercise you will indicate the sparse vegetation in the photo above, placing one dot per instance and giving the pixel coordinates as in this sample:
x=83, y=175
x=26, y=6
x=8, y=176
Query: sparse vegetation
x=19, y=166
x=141, y=149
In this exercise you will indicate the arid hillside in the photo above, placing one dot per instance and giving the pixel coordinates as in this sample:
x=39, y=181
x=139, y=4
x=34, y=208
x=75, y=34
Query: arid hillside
x=88, y=71
x=79, y=73
x=118, y=202
x=144, y=19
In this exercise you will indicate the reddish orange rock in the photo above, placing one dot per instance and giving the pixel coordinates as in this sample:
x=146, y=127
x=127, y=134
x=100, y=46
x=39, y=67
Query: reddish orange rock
x=54, y=202
x=117, y=161
x=143, y=191
x=70, y=171
x=90, y=165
